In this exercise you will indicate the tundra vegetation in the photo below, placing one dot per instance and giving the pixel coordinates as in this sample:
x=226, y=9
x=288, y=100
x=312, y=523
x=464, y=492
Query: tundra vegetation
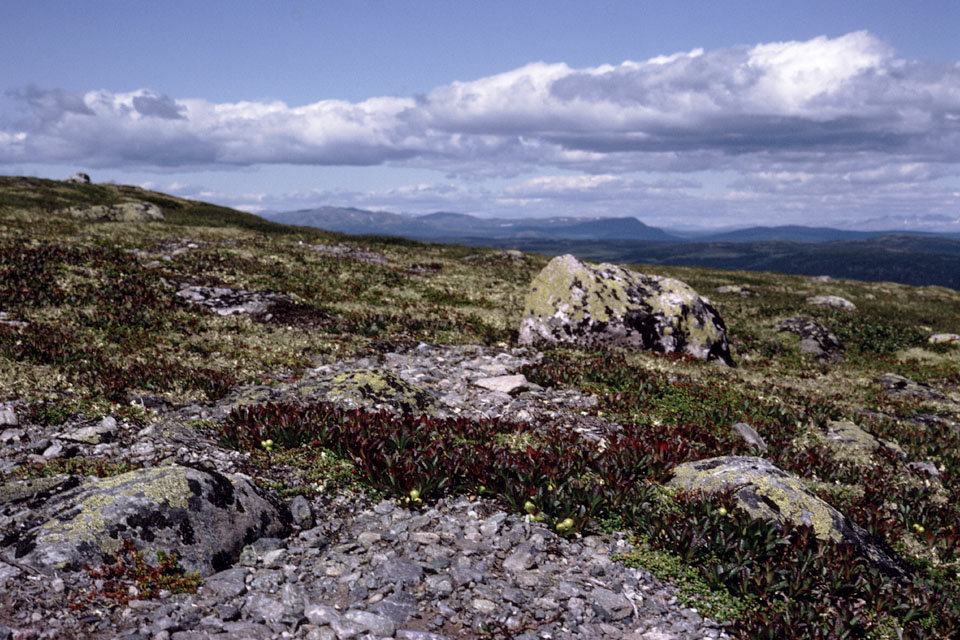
x=91, y=326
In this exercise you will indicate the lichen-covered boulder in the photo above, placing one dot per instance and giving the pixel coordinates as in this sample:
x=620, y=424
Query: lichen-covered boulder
x=815, y=339
x=203, y=516
x=123, y=212
x=765, y=491
x=573, y=302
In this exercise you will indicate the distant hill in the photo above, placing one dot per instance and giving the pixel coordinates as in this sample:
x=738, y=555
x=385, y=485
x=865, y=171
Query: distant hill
x=798, y=233
x=445, y=225
x=914, y=260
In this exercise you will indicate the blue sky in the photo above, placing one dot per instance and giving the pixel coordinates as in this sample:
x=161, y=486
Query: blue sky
x=708, y=113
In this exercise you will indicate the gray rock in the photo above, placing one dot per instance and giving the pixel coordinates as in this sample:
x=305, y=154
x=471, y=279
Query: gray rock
x=750, y=435
x=202, y=516
x=572, y=302
x=259, y=605
x=104, y=431
x=378, y=625
x=897, y=385
x=8, y=418
x=832, y=301
x=320, y=614
x=740, y=290
x=853, y=443
x=937, y=338
x=226, y=584
x=504, y=384
x=615, y=606
x=226, y=302
x=397, y=607
x=520, y=560
x=346, y=629
x=815, y=339
x=302, y=512
x=401, y=571
x=409, y=634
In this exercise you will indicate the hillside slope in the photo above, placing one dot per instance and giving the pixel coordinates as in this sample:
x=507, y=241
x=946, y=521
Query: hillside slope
x=224, y=343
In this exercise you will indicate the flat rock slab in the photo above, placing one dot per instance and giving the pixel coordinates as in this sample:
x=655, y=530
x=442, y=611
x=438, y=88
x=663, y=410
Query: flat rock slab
x=504, y=384
x=606, y=305
x=203, y=517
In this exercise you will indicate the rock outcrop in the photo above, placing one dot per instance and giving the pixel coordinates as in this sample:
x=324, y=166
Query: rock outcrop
x=573, y=302
x=123, y=212
x=815, y=339
x=204, y=517
x=766, y=491
x=78, y=178
x=227, y=302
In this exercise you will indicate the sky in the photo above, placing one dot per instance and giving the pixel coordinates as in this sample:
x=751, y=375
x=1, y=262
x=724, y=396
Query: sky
x=684, y=114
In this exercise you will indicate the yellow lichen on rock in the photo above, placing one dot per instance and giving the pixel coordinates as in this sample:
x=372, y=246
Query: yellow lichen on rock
x=160, y=485
x=759, y=486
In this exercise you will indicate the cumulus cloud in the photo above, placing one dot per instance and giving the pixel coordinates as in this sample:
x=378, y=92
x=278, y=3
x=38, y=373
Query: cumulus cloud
x=827, y=115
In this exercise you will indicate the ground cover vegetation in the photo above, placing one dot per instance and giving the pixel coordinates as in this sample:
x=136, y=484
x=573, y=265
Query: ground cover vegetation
x=92, y=325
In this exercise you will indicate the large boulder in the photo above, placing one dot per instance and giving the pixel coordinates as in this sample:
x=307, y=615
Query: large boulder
x=764, y=490
x=573, y=302
x=203, y=516
x=78, y=178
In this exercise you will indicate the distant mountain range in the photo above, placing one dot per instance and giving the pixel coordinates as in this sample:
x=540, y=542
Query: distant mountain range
x=915, y=258
x=443, y=226
x=446, y=226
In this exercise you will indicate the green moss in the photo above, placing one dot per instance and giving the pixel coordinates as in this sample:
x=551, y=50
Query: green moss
x=692, y=590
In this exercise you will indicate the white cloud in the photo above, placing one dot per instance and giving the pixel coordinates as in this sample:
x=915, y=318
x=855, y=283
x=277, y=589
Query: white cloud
x=825, y=116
